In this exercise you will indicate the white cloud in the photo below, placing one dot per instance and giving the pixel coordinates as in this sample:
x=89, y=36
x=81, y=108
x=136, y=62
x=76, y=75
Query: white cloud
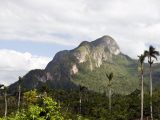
x=133, y=23
x=14, y=64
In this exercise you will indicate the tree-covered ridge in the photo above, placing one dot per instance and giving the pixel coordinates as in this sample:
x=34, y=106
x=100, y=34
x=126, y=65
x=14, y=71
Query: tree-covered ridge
x=86, y=65
x=125, y=75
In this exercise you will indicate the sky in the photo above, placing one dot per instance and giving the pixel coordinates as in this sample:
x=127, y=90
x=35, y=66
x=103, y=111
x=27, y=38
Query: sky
x=33, y=31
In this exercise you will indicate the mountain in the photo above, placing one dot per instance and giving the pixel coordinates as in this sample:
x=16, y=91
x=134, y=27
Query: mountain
x=87, y=65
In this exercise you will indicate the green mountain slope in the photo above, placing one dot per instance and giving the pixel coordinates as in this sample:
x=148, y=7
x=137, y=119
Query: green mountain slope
x=87, y=65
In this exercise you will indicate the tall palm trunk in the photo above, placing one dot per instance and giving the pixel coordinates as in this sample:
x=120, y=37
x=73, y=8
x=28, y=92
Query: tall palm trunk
x=110, y=76
x=110, y=99
x=19, y=96
x=80, y=100
x=150, y=74
x=80, y=103
x=142, y=93
x=5, y=97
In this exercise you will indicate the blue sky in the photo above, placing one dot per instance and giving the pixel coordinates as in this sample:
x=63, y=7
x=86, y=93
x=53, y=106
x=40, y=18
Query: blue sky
x=35, y=48
x=32, y=31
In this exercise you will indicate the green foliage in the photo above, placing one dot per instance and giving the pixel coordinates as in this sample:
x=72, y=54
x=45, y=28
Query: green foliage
x=94, y=106
x=125, y=76
x=30, y=97
x=51, y=109
x=45, y=109
x=33, y=112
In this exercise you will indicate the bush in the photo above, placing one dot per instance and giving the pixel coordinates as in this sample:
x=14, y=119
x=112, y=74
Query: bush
x=47, y=109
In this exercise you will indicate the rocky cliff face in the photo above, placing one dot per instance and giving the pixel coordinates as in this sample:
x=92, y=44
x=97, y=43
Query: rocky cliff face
x=95, y=52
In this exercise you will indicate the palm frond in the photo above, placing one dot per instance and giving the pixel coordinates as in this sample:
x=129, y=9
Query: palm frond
x=156, y=53
x=146, y=53
x=5, y=88
x=152, y=53
x=154, y=56
x=20, y=80
x=82, y=88
x=142, y=58
x=1, y=85
x=109, y=76
x=151, y=48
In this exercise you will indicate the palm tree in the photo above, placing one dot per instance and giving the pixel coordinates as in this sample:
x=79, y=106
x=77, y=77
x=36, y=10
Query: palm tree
x=81, y=89
x=110, y=77
x=19, y=92
x=1, y=86
x=151, y=53
x=141, y=60
x=5, y=97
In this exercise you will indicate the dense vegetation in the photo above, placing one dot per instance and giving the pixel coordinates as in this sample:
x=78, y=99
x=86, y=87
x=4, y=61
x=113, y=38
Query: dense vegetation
x=124, y=69
x=60, y=104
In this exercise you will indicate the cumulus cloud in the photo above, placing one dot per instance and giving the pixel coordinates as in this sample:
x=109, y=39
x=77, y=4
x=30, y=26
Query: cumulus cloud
x=14, y=64
x=133, y=23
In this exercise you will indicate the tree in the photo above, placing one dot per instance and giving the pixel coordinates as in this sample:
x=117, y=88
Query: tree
x=141, y=60
x=19, y=92
x=5, y=98
x=151, y=53
x=81, y=89
x=30, y=97
x=110, y=77
x=47, y=109
x=1, y=86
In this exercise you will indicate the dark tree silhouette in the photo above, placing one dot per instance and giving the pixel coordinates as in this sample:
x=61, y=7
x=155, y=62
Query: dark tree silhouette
x=110, y=77
x=141, y=60
x=151, y=53
x=19, y=92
